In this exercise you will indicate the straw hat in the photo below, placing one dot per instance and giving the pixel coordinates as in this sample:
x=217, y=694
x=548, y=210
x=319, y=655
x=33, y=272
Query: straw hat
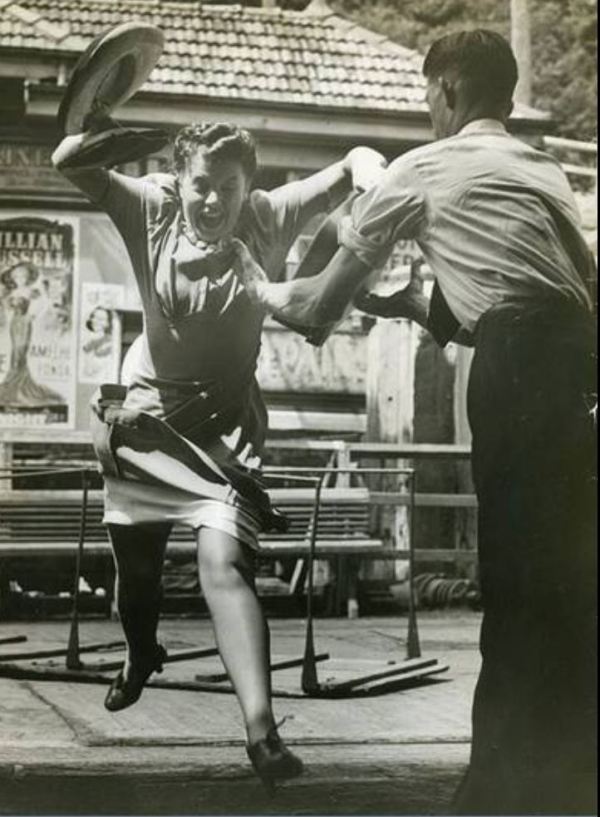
x=113, y=67
x=108, y=73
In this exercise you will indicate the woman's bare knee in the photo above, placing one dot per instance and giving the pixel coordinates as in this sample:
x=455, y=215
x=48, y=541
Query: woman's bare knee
x=223, y=561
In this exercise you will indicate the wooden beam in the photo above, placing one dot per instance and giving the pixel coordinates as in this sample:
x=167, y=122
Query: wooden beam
x=411, y=450
x=570, y=144
x=317, y=421
x=579, y=170
x=363, y=449
x=48, y=435
x=367, y=548
x=307, y=125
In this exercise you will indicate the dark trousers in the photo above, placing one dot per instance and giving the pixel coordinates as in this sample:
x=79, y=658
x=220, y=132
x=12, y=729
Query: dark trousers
x=534, y=465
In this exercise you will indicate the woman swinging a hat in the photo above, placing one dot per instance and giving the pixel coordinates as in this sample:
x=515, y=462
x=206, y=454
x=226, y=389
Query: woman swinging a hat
x=183, y=442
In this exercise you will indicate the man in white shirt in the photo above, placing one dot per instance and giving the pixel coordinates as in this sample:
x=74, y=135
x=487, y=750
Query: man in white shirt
x=498, y=225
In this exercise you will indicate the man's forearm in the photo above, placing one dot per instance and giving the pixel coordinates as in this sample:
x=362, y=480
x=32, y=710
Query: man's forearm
x=324, y=297
x=315, y=301
x=360, y=169
x=324, y=244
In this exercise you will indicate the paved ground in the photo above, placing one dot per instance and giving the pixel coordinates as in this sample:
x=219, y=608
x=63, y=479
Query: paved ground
x=181, y=752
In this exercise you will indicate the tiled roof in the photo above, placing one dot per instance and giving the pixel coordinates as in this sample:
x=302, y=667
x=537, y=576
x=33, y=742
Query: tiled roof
x=309, y=58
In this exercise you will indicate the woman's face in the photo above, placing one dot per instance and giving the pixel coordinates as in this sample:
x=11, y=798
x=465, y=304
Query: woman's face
x=212, y=194
x=20, y=276
x=100, y=321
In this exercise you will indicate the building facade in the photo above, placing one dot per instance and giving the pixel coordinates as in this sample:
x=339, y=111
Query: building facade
x=309, y=85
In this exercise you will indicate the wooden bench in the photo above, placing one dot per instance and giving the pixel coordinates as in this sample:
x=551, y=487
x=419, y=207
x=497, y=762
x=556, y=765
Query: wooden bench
x=45, y=523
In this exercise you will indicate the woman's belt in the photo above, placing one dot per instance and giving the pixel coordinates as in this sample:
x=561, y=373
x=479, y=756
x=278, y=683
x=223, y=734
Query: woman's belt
x=113, y=426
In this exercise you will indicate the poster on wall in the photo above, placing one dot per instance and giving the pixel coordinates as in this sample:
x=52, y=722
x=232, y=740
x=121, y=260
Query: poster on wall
x=100, y=332
x=288, y=364
x=37, y=322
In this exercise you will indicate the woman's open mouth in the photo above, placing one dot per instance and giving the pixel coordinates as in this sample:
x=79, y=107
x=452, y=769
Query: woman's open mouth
x=211, y=222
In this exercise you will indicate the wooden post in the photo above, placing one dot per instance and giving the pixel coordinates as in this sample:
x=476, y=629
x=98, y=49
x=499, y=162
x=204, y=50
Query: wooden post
x=343, y=461
x=6, y=461
x=392, y=349
x=520, y=36
x=346, y=568
x=390, y=381
x=466, y=518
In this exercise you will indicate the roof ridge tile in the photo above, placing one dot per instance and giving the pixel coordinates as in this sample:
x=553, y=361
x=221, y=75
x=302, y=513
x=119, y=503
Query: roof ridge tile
x=372, y=36
x=36, y=20
x=24, y=15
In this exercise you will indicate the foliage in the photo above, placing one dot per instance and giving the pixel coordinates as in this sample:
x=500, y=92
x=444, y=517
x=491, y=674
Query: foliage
x=563, y=35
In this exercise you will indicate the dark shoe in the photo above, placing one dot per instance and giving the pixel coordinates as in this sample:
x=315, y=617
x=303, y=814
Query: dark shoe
x=124, y=692
x=272, y=760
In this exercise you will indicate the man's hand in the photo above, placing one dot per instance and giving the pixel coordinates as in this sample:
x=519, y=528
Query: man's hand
x=396, y=305
x=366, y=166
x=249, y=272
x=409, y=302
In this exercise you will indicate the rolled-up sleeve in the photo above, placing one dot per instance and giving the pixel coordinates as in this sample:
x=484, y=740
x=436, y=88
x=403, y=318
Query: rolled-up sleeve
x=393, y=209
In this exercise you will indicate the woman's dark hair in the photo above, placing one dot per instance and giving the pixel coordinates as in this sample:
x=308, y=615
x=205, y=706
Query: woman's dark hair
x=7, y=276
x=482, y=58
x=220, y=140
x=90, y=318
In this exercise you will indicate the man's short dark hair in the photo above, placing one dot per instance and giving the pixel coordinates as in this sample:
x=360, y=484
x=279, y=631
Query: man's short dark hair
x=481, y=58
x=221, y=141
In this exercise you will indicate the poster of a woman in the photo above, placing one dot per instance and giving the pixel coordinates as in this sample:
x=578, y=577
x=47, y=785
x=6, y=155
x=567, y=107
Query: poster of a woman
x=100, y=332
x=36, y=326
x=99, y=325
x=22, y=293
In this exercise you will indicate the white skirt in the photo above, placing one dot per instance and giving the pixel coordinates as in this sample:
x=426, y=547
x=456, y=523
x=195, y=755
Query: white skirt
x=127, y=502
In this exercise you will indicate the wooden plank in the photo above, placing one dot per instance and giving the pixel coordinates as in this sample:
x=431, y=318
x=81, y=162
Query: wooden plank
x=374, y=552
x=294, y=444
x=282, y=495
x=372, y=549
x=424, y=500
x=323, y=546
x=31, y=435
x=30, y=549
x=574, y=144
x=343, y=522
x=411, y=450
x=579, y=170
x=400, y=450
x=51, y=497
x=328, y=495
x=317, y=421
x=55, y=652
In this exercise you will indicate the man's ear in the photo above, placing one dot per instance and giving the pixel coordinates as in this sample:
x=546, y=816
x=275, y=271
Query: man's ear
x=449, y=92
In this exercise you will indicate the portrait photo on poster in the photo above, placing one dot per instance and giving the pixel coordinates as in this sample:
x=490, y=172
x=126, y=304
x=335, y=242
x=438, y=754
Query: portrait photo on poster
x=99, y=332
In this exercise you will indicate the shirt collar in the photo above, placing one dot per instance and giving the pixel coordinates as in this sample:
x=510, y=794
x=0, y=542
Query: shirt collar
x=483, y=126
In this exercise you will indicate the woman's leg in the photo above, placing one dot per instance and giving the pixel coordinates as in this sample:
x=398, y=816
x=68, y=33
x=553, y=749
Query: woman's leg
x=139, y=552
x=241, y=630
